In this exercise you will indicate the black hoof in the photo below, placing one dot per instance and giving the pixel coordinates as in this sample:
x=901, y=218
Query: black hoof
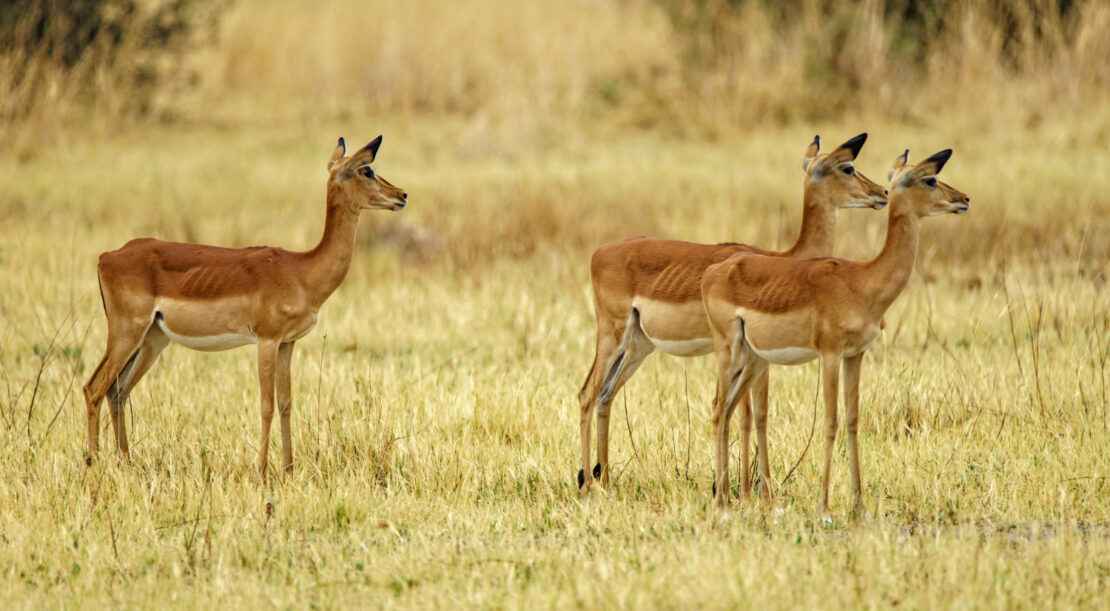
x=714, y=488
x=88, y=461
x=581, y=478
x=597, y=470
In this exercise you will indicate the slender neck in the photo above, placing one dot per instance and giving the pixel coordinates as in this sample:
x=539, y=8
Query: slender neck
x=888, y=273
x=331, y=258
x=817, y=237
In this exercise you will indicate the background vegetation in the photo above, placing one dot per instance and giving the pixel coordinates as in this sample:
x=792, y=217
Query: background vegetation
x=435, y=417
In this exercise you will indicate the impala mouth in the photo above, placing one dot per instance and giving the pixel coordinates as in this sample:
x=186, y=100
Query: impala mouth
x=875, y=203
x=961, y=208
x=399, y=204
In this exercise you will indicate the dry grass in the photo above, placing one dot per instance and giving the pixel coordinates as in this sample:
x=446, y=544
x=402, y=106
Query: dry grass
x=435, y=419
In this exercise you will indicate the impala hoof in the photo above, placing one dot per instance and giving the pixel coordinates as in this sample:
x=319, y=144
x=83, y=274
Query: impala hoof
x=597, y=470
x=581, y=479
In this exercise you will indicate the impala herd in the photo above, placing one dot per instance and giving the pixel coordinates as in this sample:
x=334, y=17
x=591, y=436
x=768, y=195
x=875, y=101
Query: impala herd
x=748, y=306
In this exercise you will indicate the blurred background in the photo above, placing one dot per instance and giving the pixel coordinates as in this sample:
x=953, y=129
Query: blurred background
x=695, y=69
x=436, y=419
x=515, y=123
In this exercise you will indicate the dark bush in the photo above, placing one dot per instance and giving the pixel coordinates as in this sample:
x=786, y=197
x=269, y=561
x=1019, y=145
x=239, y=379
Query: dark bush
x=139, y=45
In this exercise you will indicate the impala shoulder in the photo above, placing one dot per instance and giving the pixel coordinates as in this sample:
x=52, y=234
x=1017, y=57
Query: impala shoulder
x=131, y=251
x=718, y=272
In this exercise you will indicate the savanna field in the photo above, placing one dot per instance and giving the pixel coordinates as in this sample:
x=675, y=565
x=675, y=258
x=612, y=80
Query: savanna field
x=435, y=418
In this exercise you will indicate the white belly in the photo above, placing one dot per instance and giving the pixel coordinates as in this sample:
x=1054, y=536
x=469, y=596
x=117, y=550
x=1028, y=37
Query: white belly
x=787, y=356
x=208, y=343
x=684, y=347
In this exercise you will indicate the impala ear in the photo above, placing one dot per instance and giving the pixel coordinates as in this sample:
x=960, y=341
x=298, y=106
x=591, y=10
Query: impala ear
x=338, y=153
x=849, y=150
x=371, y=149
x=811, y=152
x=899, y=164
x=933, y=165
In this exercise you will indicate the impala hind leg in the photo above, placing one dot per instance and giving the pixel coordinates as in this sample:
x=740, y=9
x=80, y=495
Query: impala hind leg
x=152, y=345
x=619, y=353
x=634, y=348
x=608, y=339
x=758, y=396
x=745, y=446
x=738, y=369
x=125, y=337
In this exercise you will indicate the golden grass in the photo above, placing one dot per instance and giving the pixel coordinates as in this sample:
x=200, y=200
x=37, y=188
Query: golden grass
x=435, y=412
x=435, y=420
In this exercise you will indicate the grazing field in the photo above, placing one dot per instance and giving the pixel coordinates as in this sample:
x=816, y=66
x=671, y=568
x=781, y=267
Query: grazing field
x=435, y=418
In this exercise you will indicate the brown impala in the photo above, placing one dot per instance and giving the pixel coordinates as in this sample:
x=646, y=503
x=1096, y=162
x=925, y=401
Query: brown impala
x=212, y=298
x=647, y=294
x=766, y=310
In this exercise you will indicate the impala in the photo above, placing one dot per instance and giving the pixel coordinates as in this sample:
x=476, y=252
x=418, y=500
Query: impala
x=787, y=311
x=647, y=293
x=211, y=298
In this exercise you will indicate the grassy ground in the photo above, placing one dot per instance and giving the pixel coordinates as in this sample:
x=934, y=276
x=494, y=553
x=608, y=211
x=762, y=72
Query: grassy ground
x=435, y=419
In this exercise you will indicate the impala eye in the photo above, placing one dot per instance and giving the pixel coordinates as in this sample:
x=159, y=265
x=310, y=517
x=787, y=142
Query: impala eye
x=366, y=171
x=849, y=170
x=930, y=182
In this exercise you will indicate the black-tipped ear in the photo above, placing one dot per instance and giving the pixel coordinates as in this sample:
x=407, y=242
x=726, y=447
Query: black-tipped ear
x=338, y=153
x=811, y=152
x=939, y=159
x=373, y=147
x=855, y=144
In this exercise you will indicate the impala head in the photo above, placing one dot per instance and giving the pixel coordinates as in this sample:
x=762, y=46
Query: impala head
x=833, y=177
x=918, y=189
x=362, y=187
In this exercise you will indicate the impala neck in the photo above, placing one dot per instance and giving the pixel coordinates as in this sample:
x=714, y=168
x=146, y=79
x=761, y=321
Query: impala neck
x=331, y=258
x=817, y=236
x=891, y=270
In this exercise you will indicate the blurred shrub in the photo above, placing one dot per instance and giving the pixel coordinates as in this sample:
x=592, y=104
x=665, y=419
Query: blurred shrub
x=523, y=73
x=814, y=59
x=121, y=54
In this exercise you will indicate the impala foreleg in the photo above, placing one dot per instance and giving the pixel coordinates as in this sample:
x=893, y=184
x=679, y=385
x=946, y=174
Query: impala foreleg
x=285, y=402
x=852, y=366
x=267, y=366
x=830, y=376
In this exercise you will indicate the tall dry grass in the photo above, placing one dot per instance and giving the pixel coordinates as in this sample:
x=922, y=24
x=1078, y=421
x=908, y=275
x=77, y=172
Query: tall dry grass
x=435, y=420
x=528, y=71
